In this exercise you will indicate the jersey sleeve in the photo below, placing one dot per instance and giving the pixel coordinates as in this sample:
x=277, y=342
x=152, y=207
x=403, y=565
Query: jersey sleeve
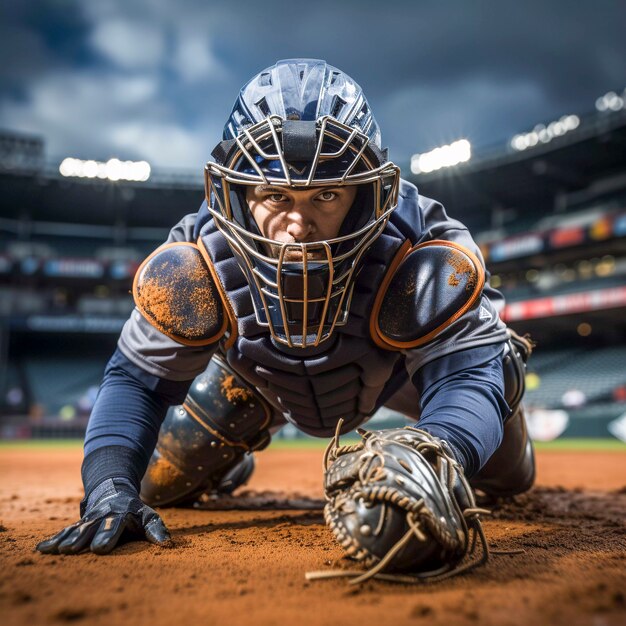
x=152, y=351
x=478, y=326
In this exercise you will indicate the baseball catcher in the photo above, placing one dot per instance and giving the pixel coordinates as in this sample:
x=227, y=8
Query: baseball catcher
x=312, y=287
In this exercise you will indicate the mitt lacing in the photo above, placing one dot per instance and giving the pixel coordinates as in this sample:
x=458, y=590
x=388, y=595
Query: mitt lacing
x=418, y=515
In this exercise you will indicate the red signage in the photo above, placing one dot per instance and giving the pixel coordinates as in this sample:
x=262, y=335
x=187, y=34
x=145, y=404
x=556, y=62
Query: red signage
x=567, y=237
x=563, y=305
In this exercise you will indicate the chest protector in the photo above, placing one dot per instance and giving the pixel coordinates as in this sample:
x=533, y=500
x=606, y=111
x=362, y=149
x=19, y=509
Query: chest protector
x=311, y=387
x=353, y=373
x=403, y=297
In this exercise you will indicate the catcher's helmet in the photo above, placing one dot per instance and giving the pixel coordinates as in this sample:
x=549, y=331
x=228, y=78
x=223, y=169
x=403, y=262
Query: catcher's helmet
x=300, y=124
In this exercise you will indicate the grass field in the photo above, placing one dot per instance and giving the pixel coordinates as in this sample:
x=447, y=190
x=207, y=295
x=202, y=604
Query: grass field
x=566, y=445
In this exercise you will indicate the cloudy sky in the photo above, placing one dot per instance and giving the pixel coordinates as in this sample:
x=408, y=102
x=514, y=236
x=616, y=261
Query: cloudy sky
x=155, y=79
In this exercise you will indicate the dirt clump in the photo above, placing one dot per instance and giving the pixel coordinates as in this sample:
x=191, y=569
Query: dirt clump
x=164, y=473
x=233, y=392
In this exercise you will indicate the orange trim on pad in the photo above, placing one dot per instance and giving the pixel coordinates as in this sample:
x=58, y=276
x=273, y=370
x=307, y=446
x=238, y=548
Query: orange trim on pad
x=390, y=344
x=230, y=312
x=400, y=255
x=214, y=432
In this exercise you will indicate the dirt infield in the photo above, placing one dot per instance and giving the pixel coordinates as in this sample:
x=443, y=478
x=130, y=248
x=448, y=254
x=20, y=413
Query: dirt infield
x=247, y=565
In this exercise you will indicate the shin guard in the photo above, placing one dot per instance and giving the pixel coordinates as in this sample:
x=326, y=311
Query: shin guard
x=221, y=420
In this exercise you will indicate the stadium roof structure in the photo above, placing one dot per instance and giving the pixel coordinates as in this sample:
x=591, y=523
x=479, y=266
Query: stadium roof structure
x=39, y=197
x=522, y=184
x=528, y=181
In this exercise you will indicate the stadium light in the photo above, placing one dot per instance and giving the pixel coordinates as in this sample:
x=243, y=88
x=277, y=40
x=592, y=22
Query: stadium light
x=543, y=134
x=445, y=156
x=113, y=169
x=610, y=101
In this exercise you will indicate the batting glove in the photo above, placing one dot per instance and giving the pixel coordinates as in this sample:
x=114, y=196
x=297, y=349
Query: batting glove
x=113, y=509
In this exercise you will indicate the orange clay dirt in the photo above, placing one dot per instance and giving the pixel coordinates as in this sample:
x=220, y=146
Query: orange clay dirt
x=232, y=392
x=246, y=565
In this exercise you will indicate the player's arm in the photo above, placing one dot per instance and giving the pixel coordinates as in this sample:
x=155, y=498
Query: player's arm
x=122, y=432
x=459, y=374
x=462, y=402
x=164, y=345
x=400, y=498
x=449, y=330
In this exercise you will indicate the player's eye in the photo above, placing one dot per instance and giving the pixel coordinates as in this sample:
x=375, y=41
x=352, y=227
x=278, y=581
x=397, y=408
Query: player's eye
x=327, y=196
x=277, y=197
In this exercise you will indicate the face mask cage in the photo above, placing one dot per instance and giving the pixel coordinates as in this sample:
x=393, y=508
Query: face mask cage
x=302, y=300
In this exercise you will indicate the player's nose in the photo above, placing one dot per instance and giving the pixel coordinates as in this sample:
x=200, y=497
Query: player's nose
x=300, y=224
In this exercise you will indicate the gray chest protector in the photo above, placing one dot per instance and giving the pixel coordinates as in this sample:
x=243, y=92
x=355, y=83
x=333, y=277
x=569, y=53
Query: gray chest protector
x=313, y=387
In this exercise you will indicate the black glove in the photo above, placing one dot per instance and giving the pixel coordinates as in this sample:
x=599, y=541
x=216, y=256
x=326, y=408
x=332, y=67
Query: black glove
x=398, y=500
x=112, y=509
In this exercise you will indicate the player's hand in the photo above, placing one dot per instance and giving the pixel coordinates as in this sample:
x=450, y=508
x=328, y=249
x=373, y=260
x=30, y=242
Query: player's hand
x=116, y=511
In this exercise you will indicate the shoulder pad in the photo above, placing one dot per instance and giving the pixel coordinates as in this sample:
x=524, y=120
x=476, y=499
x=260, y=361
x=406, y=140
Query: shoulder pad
x=427, y=288
x=177, y=293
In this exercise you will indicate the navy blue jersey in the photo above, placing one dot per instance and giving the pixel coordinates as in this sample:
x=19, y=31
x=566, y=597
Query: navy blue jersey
x=349, y=376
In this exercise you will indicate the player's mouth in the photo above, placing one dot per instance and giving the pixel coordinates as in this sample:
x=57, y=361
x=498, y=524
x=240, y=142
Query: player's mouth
x=295, y=255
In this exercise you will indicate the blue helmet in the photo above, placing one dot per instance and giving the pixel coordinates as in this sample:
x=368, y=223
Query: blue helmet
x=306, y=90
x=301, y=124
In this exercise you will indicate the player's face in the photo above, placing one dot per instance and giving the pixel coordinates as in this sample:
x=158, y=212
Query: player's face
x=299, y=215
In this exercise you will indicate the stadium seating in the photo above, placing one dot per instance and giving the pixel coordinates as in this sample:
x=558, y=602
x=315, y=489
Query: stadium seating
x=593, y=372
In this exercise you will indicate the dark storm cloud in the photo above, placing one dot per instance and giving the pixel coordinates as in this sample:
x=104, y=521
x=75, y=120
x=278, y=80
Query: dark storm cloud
x=552, y=58
x=156, y=79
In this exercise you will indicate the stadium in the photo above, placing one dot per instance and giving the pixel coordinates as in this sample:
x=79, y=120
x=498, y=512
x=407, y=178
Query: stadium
x=548, y=209
x=550, y=219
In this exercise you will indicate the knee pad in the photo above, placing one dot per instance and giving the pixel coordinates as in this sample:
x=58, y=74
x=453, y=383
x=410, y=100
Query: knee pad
x=221, y=419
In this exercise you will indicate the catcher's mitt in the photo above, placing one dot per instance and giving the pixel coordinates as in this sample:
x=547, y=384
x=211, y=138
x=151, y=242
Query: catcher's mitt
x=398, y=501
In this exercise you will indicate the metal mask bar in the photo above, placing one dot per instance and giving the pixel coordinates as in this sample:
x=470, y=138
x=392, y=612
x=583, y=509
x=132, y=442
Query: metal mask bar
x=263, y=258
x=236, y=235
x=347, y=143
x=258, y=285
x=251, y=160
x=319, y=156
x=244, y=234
x=281, y=299
x=329, y=293
x=210, y=188
x=261, y=152
x=329, y=129
x=305, y=303
x=353, y=266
